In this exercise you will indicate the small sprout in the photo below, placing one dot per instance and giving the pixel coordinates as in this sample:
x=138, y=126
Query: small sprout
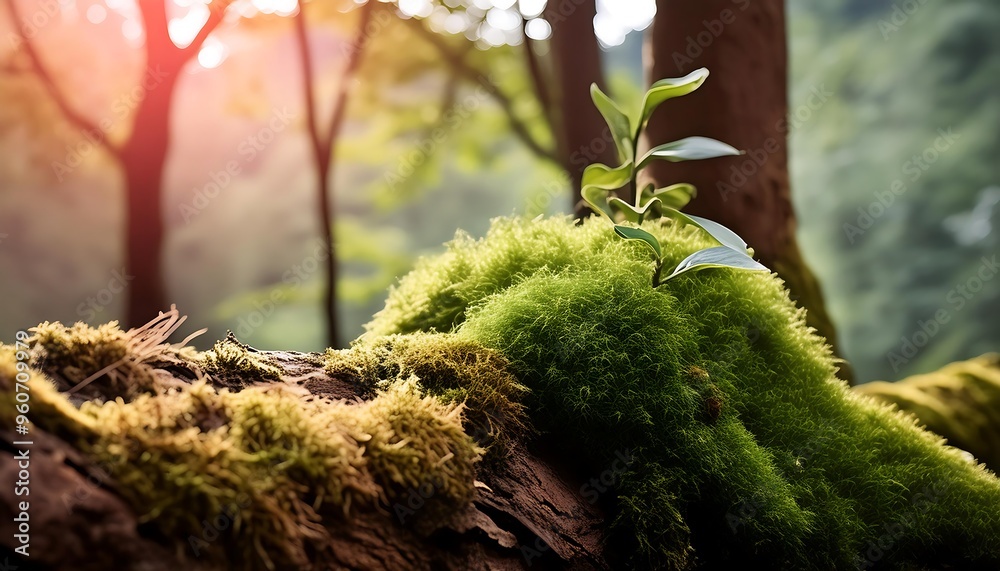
x=599, y=181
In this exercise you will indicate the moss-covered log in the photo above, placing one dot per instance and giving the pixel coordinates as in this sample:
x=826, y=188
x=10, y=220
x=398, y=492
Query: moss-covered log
x=961, y=402
x=530, y=399
x=241, y=459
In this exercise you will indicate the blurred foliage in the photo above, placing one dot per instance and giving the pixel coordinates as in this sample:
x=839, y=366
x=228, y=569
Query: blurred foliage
x=895, y=76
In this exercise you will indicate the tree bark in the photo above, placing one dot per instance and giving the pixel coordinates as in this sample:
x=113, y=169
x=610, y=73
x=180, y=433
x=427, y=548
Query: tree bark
x=743, y=103
x=583, y=137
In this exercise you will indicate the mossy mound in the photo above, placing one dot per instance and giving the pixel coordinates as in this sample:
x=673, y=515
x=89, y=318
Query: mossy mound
x=252, y=479
x=744, y=445
x=960, y=401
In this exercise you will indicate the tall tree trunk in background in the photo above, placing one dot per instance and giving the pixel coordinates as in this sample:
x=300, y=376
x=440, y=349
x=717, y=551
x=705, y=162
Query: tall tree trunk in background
x=744, y=103
x=143, y=158
x=581, y=133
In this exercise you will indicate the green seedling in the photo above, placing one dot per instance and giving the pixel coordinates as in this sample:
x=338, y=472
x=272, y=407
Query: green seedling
x=600, y=181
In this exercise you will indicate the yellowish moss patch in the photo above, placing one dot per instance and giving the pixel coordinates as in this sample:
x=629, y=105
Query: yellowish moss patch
x=269, y=462
x=454, y=369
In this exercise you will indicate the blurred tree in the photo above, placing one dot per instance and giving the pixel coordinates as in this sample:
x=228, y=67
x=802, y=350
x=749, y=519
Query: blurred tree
x=143, y=153
x=324, y=147
x=576, y=64
x=746, y=105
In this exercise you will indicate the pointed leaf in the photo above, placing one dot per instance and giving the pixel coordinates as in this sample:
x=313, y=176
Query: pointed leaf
x=598, y=179
x=717, y=257
x=603, y=176
x=722, y=235
x=668, y=89
x=632, y=233
x=618, y=122
x=597, y=199
x=674, y=196
x=689, y=149
x=633, y=214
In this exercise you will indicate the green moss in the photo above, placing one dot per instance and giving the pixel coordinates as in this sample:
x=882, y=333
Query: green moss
x=106, y=362
x=453, y=369
x=76, y=352
x=745, y=445
x=237, y=363
x=961, y=402
x=267, y=462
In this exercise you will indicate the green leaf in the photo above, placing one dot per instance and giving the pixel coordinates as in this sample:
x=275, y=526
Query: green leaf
x=631, y=233
x=674, y=196
x=618, y=122
x=722, y=235
x=597, y=199
x=668, y=89
x=598, y=179
x=689, y=149
x=603, y=176
x=633, y=214
x=717, y=257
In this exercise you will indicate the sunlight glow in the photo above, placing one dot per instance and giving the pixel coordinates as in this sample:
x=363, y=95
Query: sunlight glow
x=505, y=20
x=96, y=14
x=531, y=8
x=212, y=54
x=538, y=29
x=615, y=20
x=132, y=30
x=184, y=30
x=416, y=8
x=279, y=7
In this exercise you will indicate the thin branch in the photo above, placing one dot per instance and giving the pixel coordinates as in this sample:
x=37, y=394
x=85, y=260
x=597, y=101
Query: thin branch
x=76, y=119
x=350, y=69
x=538, y=79
x=470, y=73
x=216, y=14
x=312, y=122
x=324, y=145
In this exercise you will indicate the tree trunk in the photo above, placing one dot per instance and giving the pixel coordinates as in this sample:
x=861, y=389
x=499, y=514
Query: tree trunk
x=583, y=138
x=143, y=159
x=744, y=103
